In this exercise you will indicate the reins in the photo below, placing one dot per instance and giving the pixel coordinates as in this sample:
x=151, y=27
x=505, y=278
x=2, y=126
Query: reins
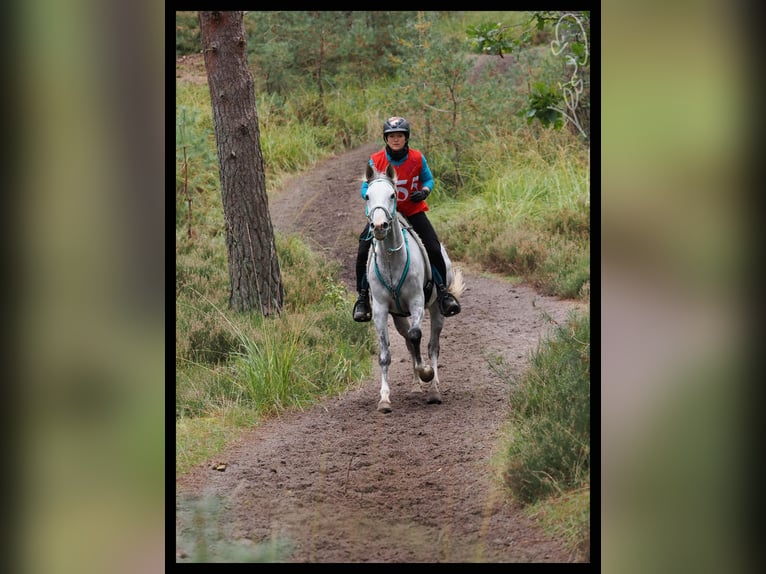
x=391, y=217
x=395, y=291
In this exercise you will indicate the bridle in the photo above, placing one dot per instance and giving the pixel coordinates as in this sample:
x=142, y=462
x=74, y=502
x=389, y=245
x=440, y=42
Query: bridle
x=389, y=215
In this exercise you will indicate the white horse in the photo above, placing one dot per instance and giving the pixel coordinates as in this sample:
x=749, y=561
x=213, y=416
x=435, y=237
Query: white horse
x=397, y=274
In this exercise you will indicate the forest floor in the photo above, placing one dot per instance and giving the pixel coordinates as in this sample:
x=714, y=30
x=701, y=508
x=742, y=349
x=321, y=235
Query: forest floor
x=341, y=482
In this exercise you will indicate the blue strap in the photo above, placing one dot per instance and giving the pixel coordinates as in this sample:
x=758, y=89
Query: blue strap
x=395, y=292
x=438, y=279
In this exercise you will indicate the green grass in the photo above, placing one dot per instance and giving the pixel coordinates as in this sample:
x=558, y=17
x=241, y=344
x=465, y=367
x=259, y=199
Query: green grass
x=566, y=517
x=200, y=438
x=204, y=537
x=531, y=218
x=550, y=444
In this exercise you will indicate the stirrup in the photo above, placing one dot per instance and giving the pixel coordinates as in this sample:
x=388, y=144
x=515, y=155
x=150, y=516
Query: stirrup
x=362, y=312
x=448, y=305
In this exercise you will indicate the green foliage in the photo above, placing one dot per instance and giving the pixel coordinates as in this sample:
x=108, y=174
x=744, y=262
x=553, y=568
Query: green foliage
x=487, y=38
x=549, y=449
x=542, y=101
x=188, y=39
x=196, y=160
x=566, y=269
x=565, y=99
x=312, y=49
x=565, y=272
x=439, y=97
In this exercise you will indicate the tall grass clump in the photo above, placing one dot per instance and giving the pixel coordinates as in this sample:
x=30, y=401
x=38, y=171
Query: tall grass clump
x=290, y=363
x=549, y=443
x=274, y=371
x=530, y=218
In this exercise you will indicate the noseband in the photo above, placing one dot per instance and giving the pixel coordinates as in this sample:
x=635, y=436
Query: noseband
x=389, y=216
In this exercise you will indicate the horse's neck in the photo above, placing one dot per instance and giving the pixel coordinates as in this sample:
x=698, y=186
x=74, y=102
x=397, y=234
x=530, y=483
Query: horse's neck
x=393, y=246
x=417, y=244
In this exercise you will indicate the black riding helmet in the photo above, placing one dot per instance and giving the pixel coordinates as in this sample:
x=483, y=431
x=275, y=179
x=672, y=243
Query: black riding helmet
x=396, y=124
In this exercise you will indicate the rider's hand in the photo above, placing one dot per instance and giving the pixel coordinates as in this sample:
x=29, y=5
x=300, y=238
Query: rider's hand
x=420, y=195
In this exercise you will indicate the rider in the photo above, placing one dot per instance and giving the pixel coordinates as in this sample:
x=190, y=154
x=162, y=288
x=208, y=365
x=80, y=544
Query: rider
x=414, y=183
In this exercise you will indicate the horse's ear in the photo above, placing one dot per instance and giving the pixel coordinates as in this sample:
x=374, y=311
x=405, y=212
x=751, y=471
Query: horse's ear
x=368, y=173
x=391, y=172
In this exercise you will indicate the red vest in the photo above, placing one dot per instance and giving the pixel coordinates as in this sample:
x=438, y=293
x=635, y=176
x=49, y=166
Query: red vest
x=407, y=179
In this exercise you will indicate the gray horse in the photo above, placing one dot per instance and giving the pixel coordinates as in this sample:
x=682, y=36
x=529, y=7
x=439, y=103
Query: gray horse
x=397, y=273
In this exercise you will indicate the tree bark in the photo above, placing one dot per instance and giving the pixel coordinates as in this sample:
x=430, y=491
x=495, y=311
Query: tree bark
x=254, y=273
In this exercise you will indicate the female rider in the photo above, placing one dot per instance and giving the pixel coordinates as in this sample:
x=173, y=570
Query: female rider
x=414, y=183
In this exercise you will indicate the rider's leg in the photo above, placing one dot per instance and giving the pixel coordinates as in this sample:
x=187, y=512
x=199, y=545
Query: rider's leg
x=362, y=312
x=448, y=303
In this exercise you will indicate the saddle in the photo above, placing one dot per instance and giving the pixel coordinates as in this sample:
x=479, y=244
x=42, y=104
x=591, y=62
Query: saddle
x=429, y=285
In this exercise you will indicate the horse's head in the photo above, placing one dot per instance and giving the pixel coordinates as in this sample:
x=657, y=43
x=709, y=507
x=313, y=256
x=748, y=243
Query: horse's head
x=381, y=199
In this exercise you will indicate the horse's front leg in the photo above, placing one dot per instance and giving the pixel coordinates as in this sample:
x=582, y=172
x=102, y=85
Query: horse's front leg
x=402, y=325
x=414, y=335
x=380, y=316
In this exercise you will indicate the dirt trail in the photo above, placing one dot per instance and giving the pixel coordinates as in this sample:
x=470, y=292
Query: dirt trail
x=344, y=483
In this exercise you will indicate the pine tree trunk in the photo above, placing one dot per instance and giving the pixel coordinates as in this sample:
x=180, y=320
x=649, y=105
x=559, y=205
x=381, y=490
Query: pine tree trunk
x=253, y=267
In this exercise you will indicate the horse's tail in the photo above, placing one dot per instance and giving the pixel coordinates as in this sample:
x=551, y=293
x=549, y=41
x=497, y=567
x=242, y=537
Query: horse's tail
x=458, y=284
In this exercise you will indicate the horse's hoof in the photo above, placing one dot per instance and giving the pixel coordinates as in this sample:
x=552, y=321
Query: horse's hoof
x=434, y=399
x=384, y=407
x=427, y=374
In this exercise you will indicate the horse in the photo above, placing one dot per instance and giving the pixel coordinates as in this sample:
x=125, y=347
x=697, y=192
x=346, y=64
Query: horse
x=399, y=275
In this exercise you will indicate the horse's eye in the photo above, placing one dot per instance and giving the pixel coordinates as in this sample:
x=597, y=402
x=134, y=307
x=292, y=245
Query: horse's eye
x=365, y=198
x=393, y=195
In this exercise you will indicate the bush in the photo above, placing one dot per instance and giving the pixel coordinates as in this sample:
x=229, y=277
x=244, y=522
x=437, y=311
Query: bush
x=549, y=449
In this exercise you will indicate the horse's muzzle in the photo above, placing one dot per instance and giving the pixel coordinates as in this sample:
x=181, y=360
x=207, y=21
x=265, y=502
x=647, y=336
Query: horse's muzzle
x=381, y=230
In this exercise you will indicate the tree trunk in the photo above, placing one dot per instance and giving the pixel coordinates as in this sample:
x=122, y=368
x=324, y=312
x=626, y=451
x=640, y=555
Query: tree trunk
x=253, y=267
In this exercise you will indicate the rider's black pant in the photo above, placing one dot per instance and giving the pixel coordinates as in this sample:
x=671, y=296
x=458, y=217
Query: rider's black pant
x=427, y=234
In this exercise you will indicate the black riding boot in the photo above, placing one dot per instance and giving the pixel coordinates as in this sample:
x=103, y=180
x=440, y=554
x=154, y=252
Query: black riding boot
x=448, y=304
x=362, y=312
